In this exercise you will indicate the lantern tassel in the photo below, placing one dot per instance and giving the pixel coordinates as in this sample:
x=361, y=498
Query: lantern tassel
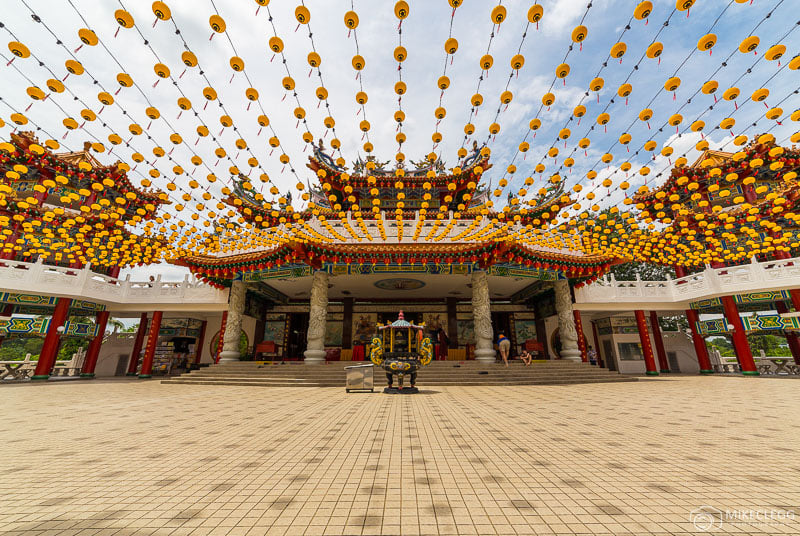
x=115, y=33
x=77, y=49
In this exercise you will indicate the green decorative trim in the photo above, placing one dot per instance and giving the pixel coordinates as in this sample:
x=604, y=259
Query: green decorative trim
x=131, y=374
x=652, y=373
x=40, y=377
x=665, y=371
x=750, y=373
x=145, y=376
x=87, y=374
x=706, y=371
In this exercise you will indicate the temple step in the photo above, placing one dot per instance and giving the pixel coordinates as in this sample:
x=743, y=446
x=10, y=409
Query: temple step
x=439, y=373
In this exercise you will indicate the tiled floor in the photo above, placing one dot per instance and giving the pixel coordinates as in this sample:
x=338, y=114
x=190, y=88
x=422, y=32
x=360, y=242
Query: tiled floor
x=138, y=457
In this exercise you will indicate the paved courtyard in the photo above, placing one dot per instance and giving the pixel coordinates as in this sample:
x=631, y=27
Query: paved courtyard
x=133, y=457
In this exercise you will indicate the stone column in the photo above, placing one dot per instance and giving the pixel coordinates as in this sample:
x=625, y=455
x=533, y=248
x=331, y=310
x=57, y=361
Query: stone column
x=318, y=311
x=233, y=327
x=482, y=318
x=566, y=322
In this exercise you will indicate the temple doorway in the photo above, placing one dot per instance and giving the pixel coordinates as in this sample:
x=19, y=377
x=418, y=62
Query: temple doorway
x=501, y=323
x=298, y=330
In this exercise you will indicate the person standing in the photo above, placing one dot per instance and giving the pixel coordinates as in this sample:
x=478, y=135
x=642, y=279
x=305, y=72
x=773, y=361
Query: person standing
x=591, y=355
x=443, y=346
x=504, y=345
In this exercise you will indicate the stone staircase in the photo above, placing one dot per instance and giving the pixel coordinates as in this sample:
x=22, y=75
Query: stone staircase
x=455, y=373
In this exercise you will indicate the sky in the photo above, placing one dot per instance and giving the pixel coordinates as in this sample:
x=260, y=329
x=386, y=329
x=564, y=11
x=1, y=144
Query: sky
x=424, y=32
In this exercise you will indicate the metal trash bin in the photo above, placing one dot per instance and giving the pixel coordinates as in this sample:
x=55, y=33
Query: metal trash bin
x=360, y=378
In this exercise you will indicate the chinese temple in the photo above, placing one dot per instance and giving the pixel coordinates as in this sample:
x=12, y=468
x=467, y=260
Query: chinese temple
x=67, y=207
x=414, y=236
x=739, y=203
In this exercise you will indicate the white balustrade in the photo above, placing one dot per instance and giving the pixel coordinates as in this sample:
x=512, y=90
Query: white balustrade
x=756, y=276
x=41, y=279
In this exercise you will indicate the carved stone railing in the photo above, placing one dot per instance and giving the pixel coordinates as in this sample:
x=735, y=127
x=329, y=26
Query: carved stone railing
x=710, y=283
x=41, y=279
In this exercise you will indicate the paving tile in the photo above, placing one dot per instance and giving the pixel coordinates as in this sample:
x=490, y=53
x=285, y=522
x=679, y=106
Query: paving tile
x=141, y=458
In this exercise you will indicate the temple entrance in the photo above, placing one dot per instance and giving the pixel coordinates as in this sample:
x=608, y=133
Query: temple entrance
x=298, y=329
x=501, y=323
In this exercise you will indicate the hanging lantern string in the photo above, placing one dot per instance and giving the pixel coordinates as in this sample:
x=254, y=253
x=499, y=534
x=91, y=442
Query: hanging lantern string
x=360, y=80
x=219, y=100
x=141, y=91
x=78, y=99
x=116, y=102
x=550, y=88
x=286, y=68
x=752, y=126
x=586, y=94
x=508, y=80
x=447, y=59
x=729, y=139
x=50, y=135
x=321, y=81
x=706, y=110
x=222, y=106
x=668, y=168
x=474, y=109
x=682, y=64
x=400, y=79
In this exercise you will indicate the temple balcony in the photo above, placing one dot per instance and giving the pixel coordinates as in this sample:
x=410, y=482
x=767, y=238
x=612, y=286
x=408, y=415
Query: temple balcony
x=117, y=294
x=677, y=294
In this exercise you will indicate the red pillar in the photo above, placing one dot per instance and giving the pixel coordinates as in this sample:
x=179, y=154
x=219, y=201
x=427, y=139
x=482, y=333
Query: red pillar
x=699, y=342
x=221, y=335
x=795, y=295
x=581, y=338
x=200, y=341
x=663, y=364
x=94, y=347
x=113, y=272
x=791, y=336
x=647, y=348
x=597, y=344
x=133, y=364
x=152, y=341
x=740, y=344
x=47, y=357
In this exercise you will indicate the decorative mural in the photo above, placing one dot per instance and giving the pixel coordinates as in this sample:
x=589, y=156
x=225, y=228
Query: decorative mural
x=38, y=326
x=769, y=322
x=180, y=327
x=466, y=331
x=364, y=327
x=275, y=328
x=333, y=329
x=434, y=321
x=766, y=296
